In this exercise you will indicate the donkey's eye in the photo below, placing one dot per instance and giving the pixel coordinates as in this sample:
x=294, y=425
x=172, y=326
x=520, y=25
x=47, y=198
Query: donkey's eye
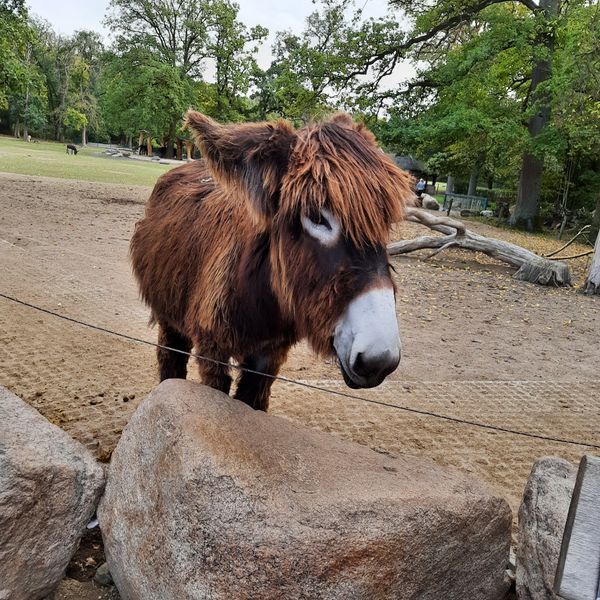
x=322, y=226
x=320, y=219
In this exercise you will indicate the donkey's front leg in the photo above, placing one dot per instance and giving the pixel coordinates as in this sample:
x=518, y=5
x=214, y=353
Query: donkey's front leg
x=254, y=389
x=214, y=374
x=172, y=364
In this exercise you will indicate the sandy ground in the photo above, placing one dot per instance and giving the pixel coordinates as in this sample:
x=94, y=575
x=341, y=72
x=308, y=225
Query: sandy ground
x=476, y=343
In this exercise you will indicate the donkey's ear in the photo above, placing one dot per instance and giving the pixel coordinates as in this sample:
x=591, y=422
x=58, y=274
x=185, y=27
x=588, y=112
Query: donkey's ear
x=250, y=157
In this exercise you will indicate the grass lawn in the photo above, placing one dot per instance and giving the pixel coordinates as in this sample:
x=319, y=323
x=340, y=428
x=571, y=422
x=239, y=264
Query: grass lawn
x=50, y=159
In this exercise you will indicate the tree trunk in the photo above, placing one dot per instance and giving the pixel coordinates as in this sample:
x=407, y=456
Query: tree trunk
x=170, y=141
x=528, y=194
x=592, y=283
x=532, y=268
x=595, y=230
x=474, y=178
x=84, y=136
x=450, y=184
x=25, y=125
x=26, y=114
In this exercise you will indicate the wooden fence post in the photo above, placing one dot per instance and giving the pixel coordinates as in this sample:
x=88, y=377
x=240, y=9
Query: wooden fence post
x=578, y=571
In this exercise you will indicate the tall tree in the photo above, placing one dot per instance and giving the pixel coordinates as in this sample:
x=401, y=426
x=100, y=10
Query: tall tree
x=140, y=92
x=21, y=87
x=437, y=27
x=174, y=37
x=309, y=70
x=463, y=107
x=84, y=80
x=175, y=31
x=14, y=38
x=532, y=167
x=232, y=47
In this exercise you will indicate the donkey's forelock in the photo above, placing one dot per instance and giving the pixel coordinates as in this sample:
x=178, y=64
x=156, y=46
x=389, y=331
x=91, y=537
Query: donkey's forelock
x=337, y=165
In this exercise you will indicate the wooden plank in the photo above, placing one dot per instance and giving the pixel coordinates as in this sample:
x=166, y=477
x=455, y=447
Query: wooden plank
x=578, y=571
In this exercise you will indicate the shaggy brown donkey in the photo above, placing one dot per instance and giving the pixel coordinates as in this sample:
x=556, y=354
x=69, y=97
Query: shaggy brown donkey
x=276, y=236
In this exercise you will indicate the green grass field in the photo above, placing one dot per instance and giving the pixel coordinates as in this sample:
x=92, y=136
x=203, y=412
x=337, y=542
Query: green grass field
x=51, y=160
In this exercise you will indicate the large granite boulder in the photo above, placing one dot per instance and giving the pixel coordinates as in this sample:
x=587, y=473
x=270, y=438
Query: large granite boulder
x=542, y=517
x=207, y=498
x=49, y=488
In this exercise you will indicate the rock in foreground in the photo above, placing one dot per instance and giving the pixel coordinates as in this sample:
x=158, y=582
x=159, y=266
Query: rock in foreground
x=207, y=498
x=49, y=488
x=542, y=517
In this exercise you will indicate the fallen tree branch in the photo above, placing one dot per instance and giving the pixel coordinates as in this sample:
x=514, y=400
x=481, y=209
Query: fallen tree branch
x=441, y=224
x=587, y=253
x=448, y=245
x=531, y=267
x=580, y=232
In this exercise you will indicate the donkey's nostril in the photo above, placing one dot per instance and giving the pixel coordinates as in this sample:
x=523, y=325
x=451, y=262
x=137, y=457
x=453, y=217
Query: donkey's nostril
x=359, y=366
x=375, y=367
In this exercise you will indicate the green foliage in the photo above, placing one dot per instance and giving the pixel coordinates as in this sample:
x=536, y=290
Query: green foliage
x=174, y=33
x=14, y=39
x=232, y=47
x=311, y=70
x=140, y=92
x=74, y=119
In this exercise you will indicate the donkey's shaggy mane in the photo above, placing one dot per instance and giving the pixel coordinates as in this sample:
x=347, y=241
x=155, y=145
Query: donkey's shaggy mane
x=337, y=165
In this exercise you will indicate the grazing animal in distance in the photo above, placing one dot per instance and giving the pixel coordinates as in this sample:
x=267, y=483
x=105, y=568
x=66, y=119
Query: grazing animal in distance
x=277, y=235
x=71, y=149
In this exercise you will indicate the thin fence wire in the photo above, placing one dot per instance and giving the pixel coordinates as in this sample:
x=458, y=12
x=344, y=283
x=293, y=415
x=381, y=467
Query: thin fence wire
x=423, y=413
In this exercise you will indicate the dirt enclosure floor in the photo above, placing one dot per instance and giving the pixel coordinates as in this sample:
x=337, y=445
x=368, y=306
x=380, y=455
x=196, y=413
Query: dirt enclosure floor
x=476, y=343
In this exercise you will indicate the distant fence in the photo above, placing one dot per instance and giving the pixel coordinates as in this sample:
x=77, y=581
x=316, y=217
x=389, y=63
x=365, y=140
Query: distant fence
x=464, y=202
x=105, y=146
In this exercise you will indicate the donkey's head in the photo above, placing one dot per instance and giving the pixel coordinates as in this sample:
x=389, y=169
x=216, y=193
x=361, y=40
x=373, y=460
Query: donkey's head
x=326, y=196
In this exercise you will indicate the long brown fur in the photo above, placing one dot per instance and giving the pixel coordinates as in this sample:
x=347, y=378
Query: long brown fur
x=220, y=256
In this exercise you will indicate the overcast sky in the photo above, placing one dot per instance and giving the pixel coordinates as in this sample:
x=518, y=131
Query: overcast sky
x=67, y=16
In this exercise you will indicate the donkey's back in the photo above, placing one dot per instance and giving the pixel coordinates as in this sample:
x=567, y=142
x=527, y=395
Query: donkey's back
x=166, y=248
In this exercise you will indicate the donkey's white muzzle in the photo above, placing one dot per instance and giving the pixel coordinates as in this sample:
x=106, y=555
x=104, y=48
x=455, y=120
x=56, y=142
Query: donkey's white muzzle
x=366, y=339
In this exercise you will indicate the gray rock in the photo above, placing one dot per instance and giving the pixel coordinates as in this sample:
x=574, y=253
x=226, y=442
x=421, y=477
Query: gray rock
x=102, y=575
x=207, y=498
x=49, y=489
x=429, y=202
x=542, y=518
